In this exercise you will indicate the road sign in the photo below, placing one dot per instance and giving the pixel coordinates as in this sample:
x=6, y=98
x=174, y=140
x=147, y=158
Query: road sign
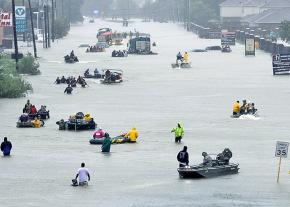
x=20, y=12
x=281, y=149
x=281, y=63
x=20, y=15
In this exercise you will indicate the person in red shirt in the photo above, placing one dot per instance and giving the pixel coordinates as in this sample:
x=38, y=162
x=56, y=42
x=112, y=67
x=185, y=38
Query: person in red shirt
x=33, y=110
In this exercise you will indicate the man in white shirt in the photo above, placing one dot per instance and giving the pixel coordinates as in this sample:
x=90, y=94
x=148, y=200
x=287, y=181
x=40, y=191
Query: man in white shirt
x=83, y=175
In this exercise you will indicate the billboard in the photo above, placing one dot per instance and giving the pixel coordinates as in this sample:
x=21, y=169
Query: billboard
x=250, y=46
x=228, y=38
x=6, y=19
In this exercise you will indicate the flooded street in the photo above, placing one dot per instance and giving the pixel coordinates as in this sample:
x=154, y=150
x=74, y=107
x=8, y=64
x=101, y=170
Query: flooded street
x=152, y=98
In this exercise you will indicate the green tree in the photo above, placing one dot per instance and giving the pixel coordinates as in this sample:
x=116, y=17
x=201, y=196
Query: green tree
x=285, y=31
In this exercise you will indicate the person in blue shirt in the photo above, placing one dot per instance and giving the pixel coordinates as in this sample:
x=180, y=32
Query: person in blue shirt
x=6, y=147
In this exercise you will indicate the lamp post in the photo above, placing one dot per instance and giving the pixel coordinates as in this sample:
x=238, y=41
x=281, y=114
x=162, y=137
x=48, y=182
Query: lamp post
x=37, y=21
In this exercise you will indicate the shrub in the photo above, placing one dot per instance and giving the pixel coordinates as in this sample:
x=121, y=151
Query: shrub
x=11, y=83
x=28, y=65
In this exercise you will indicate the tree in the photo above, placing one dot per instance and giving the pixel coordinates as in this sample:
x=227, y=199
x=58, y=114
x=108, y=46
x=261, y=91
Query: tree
x=285, y=31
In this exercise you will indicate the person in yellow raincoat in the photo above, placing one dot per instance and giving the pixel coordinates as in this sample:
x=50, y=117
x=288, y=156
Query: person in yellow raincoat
x=87, y=118
x=36, y=123
x=132, y=135
x=236, y=108
x=179, y=132
x=185, y=57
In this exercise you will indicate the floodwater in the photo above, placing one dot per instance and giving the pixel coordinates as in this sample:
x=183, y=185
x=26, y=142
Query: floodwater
x=153, y=98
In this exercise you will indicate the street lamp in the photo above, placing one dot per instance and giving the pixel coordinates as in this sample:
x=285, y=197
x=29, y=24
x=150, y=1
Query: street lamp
x=37, y=23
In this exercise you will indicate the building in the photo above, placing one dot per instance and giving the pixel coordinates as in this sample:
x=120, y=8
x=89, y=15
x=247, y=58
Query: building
x=236, y=10
x=270, y=18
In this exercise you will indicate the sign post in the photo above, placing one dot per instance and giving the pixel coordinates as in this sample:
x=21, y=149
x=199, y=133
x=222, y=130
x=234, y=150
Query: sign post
x=281, y=152
x=281, y=64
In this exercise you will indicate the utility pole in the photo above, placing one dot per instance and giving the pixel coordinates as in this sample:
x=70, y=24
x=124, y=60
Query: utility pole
x=45, y=26
x=15, y=34
x=32, y=29
x=69, y=13
x=188, y=15
x=52, y=20
x=24, y=33
x=48, y=26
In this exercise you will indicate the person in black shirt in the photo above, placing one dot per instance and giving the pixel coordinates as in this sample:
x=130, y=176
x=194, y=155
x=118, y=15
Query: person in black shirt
x=6, y=147
x=183, y=157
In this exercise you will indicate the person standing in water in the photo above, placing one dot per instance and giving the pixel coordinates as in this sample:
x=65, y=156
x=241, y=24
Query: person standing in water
x=6, y=147
x=179, y=132
x=182, y=157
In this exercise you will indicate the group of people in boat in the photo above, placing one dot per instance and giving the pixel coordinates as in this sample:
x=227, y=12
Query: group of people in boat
x=222, y=158
x=182, y=58
x=129, y=137
x=245, y=108
x=112, y=76
x=95, y=48
x=30, y=112
x=30, y=109
x=97, y=73
x=71, y=57
x=226, y=48
x=79, y=119
x=119, y=53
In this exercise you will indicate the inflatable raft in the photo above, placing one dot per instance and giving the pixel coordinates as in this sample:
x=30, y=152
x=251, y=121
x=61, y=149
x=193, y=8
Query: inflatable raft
x=181, y=65
x=115, y=140
x=27, y=124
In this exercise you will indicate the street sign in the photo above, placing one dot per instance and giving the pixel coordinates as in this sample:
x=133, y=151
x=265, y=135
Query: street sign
x=20, y=12
x=281, y=63
x=20, y=15
x=6, y=19
x=281, y=149
x=13, y=56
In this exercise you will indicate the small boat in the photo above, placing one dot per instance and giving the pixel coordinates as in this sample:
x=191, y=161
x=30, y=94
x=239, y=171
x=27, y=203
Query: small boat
x=40, y=115
x=116, y=77
x=95, y=76
x=236, y=116
x=80, y=125
x=27, y=124
x=199, y=171
x=181, y=65
x=226, y=49
x=115, y=140
x=68, y=59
